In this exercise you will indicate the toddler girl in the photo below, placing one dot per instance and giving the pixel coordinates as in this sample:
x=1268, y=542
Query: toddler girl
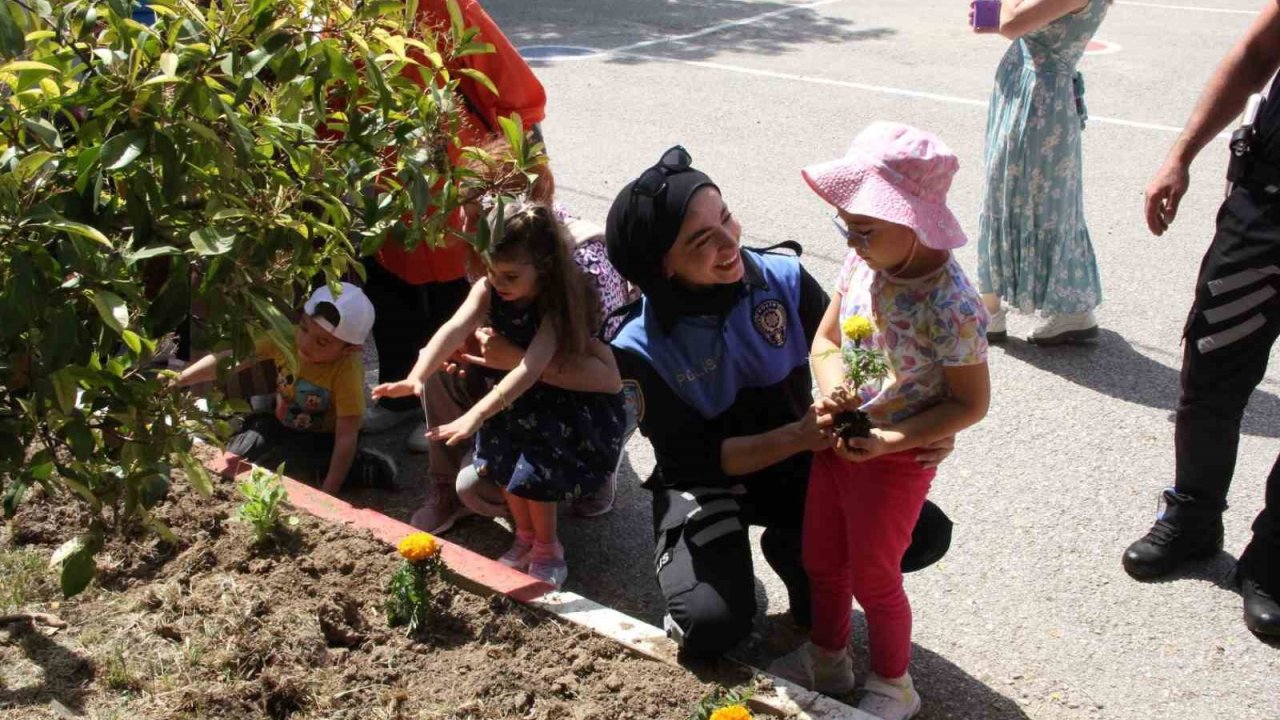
x=542, y=443
x=902, y=295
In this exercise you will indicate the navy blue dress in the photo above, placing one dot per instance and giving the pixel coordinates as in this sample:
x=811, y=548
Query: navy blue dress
x=552, y=444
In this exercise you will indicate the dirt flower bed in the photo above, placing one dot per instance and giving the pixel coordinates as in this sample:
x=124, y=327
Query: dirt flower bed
x=216, y=627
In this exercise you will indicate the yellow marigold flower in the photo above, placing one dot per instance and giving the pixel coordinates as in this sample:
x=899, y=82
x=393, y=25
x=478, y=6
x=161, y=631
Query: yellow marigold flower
x=857, y=328
x=419, y=546
x=732, y=712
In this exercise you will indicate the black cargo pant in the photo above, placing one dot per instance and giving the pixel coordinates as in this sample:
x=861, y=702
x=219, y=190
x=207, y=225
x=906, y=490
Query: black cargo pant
x=405, y=318
x=1228, y=339
x=265, y=441
x=703, y=557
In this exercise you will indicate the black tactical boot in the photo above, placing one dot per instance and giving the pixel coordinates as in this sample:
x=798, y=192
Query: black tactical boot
x=1186, y=530
x=1261, y=610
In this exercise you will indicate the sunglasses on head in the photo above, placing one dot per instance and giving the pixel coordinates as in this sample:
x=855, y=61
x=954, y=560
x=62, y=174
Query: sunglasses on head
x=654, y=180
x=860, y=239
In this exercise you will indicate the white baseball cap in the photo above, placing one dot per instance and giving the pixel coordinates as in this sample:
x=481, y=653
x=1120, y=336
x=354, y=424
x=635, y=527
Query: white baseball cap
x=355, y=313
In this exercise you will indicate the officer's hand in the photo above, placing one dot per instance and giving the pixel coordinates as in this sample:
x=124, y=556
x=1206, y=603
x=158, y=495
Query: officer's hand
x=813, y=431
x=1164, y=193
x=932, y=455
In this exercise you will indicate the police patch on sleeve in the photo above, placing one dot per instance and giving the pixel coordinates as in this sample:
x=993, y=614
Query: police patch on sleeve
x=632, y=401
x=770, y=320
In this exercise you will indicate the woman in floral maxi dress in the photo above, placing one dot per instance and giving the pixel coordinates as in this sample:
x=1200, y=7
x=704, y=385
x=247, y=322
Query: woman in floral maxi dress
x=1033, y=245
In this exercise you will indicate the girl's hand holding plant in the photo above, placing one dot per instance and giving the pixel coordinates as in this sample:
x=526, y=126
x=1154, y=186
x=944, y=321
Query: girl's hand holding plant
x=861, y=449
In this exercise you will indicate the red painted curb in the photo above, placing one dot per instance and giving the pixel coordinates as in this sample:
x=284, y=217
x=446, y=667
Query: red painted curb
x=488, y=574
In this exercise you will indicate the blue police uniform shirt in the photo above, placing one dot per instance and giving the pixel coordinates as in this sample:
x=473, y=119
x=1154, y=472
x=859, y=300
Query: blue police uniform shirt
x=707, y=360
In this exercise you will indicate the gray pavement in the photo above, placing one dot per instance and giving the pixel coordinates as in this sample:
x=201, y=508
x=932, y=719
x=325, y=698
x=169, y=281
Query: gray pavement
x=1030, y=615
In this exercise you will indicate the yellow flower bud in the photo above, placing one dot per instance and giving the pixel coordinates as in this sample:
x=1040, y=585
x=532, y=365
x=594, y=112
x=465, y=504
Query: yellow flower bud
x=418, y=547
x=857, y=328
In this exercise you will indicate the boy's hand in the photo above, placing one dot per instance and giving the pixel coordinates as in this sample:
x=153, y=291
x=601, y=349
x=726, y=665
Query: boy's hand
x=880, y=442
x=457, y=431
x=402, y=388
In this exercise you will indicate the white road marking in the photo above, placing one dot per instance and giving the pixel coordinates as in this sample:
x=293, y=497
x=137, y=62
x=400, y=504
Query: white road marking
x=1193, y=8
x=884, y=89
x=725, y=25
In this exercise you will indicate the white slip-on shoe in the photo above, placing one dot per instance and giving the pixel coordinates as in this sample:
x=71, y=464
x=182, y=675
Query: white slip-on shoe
x=812, y=667
x=890, y=701
x=1065, y=328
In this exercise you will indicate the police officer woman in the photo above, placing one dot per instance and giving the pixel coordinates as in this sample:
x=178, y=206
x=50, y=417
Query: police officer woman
x=716, y=358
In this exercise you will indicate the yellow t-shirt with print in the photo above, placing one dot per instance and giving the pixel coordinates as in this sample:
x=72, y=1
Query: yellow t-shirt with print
x=319, y=394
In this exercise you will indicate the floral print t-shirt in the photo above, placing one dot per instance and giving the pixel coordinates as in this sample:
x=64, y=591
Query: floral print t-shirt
x=921, y=326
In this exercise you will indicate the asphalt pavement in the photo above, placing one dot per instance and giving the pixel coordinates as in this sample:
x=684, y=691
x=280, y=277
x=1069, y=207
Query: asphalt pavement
x=1030, y=614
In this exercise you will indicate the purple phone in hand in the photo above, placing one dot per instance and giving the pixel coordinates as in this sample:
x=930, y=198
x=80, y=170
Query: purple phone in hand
x=986, y=13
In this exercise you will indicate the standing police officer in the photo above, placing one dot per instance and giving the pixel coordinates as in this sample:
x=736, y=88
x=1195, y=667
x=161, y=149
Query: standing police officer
x=1233, y=324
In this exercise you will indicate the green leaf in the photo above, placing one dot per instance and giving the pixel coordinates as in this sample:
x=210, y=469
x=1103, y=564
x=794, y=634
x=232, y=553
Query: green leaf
x=480, y=78
x=197, y=475
x=76, y=565
x=134, y=256
x=132, y=340
x=44, y=131
x=212, y=241
x=121, y=150
x=31, y=164
x=12, y=43
x=162, y=80
x=65, y=383
x=14, y=494
x=168, y=63
x=80, y=229
x=513, y=128
x=112, y=309
x=28, y=66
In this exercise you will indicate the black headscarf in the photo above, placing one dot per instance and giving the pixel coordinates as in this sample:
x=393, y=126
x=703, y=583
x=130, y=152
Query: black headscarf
x=639, y=233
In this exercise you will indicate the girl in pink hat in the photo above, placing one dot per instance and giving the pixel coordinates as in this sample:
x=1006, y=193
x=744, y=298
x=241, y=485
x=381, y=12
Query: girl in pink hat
x=901, y=298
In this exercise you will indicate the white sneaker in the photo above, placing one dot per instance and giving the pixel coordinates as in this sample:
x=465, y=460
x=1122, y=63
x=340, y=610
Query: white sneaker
x=417, y=441
x=378, y=419
x=997, y=328
x=816, y=669
x=888, y=701
x=1065, y=328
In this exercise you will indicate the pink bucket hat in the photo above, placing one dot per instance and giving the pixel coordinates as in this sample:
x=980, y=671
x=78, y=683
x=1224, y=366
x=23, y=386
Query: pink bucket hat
x=896, y=173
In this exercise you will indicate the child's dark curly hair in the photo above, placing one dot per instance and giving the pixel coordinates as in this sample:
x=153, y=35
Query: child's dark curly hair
x=565, y=297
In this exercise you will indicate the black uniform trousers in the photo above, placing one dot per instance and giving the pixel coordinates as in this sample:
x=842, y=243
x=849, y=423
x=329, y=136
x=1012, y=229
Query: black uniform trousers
x=1228, y=338
x=406, y=316
x=703, y=556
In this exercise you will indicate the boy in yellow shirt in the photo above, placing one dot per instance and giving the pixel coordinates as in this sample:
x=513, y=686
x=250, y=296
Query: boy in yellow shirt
x=319, y=410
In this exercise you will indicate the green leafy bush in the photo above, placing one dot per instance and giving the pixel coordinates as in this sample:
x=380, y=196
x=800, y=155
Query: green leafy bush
x=225, y=156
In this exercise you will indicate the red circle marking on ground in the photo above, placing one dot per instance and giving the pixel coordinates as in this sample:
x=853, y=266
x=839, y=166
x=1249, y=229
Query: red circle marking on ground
x=1100, y=47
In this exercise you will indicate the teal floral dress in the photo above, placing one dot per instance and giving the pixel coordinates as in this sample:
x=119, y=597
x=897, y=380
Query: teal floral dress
x=1033, y=245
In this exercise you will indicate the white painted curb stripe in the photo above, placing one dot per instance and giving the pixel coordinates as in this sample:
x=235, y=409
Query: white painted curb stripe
x=791, y=700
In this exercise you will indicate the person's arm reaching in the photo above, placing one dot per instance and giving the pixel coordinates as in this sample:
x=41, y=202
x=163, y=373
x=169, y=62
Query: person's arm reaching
x=1245, y=70
x=448, y=338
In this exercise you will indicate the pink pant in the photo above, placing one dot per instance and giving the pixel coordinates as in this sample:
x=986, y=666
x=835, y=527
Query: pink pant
x=858, y=519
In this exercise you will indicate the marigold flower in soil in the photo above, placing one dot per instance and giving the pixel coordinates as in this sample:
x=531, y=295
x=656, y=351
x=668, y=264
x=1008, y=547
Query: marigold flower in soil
x=857, y=328
x=732, y=712
x=419, y=546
